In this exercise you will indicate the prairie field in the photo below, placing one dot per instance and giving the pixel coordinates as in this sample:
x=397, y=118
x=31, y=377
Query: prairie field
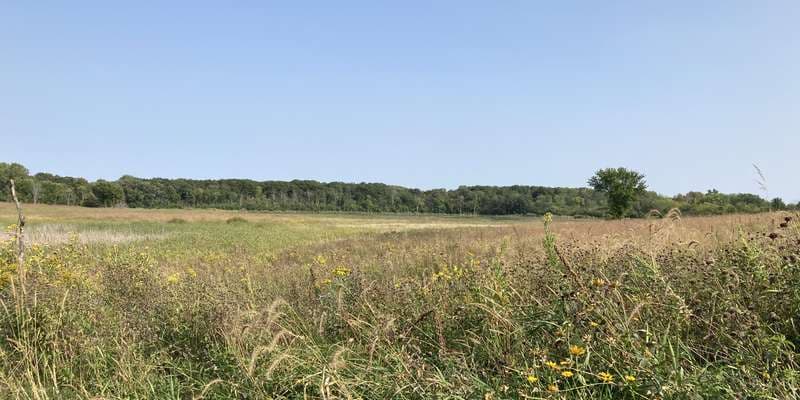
x=117, y=303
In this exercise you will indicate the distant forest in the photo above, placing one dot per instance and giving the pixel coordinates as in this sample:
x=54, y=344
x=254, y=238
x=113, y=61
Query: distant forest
x=304, y=195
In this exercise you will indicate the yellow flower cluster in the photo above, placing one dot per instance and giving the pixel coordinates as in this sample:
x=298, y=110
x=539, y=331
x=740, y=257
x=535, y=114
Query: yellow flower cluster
x=174, y=278
x=7, y=271
x=548, y=218
x=52, y=266
x=341, y=271
x=448, y=273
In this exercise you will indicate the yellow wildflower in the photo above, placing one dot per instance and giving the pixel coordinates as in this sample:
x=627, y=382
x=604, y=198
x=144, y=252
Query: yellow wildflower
x=552, y=388
x=341, y=271
x=552, y=365
x=605, y=377
x=567, y=374
x=630, y=378
x=533, y=378
x=576, y=350
x=174, y=278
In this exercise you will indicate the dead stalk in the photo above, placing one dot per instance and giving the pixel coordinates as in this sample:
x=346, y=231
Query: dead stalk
x=19, y=233
x=571, y=271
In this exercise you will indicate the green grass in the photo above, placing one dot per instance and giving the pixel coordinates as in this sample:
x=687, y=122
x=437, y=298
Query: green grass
x=332, y=306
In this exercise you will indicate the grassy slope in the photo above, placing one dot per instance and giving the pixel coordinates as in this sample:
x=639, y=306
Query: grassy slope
x=144, y=305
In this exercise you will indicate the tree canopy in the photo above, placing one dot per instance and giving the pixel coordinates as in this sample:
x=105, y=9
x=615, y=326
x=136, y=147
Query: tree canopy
x=622, y=186
x=313, y=196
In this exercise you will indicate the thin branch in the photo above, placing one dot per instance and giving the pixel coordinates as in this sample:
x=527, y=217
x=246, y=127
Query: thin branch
x=20, y=232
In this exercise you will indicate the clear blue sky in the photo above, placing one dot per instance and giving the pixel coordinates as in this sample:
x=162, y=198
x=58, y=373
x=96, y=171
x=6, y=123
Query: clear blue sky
x=424, y=94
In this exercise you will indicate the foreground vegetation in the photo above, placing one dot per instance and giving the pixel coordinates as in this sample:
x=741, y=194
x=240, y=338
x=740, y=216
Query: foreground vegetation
x=217, y=305
x=297, y=195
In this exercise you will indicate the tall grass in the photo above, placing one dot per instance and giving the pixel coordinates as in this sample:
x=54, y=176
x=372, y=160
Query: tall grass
x=665, y=308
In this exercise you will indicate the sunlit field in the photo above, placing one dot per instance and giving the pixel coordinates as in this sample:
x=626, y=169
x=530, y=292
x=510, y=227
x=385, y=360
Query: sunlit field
x=205, y=304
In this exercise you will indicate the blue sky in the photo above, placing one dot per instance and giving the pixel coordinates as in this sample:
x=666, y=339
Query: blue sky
x=424, y=94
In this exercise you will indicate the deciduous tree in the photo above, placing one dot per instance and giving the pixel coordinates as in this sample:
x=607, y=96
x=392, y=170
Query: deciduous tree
x=622, y=186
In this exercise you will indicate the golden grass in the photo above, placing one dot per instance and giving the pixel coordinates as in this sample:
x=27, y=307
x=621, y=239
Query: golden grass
x=52, y=224
x=397, y=306
x=56, y=213
x=56, y=233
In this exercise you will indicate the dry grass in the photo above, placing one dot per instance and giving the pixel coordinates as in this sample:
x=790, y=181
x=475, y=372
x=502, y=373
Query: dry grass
x=53, y=213
x=687, y=229
x=56, y=234
x=290, y=306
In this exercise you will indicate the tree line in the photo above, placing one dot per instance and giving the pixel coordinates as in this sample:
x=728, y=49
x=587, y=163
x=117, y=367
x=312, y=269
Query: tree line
x=308, y=195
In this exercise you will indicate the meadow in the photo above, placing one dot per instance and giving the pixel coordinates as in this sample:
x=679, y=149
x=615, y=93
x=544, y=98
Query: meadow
x=209, y=304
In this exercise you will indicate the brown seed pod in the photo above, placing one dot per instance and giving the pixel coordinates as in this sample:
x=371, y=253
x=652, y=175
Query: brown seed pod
x=773, y=236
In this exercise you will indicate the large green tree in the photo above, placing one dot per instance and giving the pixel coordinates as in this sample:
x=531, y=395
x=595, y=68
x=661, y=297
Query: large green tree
x=621, y=186
x=19, y=174
x=108, y=194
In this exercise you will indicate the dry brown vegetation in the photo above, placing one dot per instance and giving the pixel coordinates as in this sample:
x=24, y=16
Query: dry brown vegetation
x=50, y=213
x=356, y=306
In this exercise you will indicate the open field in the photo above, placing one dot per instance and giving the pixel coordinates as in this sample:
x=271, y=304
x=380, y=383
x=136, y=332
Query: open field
x=191, y=304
